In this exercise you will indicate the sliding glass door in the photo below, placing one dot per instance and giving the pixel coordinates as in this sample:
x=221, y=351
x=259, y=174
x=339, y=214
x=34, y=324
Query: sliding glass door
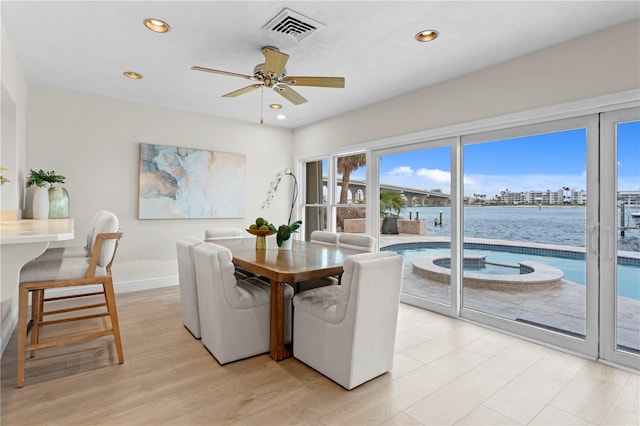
x=516, y=245
x=620, y=236
x=529, y=264
x=417, y=220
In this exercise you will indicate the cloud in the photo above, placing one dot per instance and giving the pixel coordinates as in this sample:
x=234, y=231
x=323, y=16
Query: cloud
x=402, y=170
x=468, y=180
x=435, y=175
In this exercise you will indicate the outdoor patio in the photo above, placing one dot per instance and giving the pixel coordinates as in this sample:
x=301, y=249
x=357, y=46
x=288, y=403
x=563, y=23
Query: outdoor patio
x=560, y=309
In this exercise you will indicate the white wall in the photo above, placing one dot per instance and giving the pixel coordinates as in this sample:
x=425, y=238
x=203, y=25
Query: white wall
x=13, y=89
x=94, y=142
x=598, y=64
x=13, y=101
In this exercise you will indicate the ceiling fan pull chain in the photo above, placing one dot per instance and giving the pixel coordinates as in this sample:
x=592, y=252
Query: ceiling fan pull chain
x=261, y=105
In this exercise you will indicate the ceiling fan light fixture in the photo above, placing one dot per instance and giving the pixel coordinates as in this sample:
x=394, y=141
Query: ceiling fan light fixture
x=156, y=25
x=281, y=116
x=273, y=75
x=132, y=75
x=275, y=106
x=427, y=35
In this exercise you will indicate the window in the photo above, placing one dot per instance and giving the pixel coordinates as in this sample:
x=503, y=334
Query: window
x=554, y=194
x=350, y=179
x=316, y=197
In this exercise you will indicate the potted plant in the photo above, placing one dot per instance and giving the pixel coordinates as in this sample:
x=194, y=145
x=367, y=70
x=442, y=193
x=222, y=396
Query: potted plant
x=283, y=234
x=48, y=201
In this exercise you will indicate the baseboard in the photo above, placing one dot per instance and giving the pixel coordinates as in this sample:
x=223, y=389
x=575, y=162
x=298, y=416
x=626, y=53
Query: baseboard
x=9, y=324
x=118, y=287
x=148, y=284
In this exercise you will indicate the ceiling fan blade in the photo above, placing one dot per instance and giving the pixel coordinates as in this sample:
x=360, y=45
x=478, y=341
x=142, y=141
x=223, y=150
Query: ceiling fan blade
x=241, y=91
x=232, y=74
x=290, y=94
x=337, y=82
x=274, y=63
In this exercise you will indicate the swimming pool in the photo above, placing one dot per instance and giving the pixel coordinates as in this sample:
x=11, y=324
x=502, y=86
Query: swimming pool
x=570, y=262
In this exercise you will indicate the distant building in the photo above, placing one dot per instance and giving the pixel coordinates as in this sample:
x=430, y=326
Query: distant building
x=629, y=197
x=579, y=197
x=559, y=197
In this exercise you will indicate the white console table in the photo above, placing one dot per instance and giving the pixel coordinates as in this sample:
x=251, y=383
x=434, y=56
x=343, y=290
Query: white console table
x=24, y=240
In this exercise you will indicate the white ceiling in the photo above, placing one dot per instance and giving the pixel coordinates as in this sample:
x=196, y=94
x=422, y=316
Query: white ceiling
x=85, y=46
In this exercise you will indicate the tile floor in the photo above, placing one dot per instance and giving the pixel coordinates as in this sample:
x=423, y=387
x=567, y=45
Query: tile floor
x=446, y=371
x=471, y=375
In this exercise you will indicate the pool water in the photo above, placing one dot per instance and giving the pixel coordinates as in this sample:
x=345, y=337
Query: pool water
x=574, y=269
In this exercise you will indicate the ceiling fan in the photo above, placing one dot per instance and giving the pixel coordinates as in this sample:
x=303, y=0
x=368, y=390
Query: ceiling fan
x=272, y=73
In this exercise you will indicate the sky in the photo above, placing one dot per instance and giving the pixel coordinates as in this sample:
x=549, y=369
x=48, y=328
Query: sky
x=539, y=162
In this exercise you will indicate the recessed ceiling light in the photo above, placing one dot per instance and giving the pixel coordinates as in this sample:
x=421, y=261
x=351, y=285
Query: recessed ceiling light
x=281, y=116
x=132, y=74
x=156, y=25
x=427, y=35
x=275, y=106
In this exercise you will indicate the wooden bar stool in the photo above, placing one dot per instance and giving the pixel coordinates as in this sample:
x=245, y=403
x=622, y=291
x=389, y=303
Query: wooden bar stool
x=40, y=275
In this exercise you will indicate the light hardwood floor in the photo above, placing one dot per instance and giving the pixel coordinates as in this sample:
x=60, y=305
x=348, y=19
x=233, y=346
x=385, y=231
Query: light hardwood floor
x=446, y=371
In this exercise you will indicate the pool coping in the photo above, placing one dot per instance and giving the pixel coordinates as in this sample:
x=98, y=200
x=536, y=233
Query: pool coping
x=567, y=252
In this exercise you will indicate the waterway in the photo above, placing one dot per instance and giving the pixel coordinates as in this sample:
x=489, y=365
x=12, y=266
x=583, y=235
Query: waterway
x=547, y=225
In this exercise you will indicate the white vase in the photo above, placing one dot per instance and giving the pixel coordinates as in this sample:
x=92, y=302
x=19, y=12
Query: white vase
x=286, y=244
x=41, y=203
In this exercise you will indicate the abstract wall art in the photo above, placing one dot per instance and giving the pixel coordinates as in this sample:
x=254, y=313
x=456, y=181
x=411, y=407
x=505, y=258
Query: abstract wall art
x=187, y=183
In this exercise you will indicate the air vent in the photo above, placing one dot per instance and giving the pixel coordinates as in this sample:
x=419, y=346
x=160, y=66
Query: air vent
x=292, y=25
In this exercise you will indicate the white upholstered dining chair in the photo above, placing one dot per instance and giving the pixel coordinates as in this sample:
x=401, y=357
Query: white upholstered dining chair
x=222, y=233
x=234, y=314
x=362, y=242
x=187, y=280
x=347, y=332
x=319, y=237
x=324, y=237
x=225, y=233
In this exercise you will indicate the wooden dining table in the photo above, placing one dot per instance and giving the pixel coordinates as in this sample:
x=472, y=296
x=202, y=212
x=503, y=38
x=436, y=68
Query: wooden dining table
x=305, y=261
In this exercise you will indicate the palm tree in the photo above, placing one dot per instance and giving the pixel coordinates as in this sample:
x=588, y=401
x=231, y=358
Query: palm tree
x=391, y=201
x=346, y=165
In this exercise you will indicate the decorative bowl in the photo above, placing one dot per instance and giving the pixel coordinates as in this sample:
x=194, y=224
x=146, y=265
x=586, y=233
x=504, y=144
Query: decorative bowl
x=261, y=232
